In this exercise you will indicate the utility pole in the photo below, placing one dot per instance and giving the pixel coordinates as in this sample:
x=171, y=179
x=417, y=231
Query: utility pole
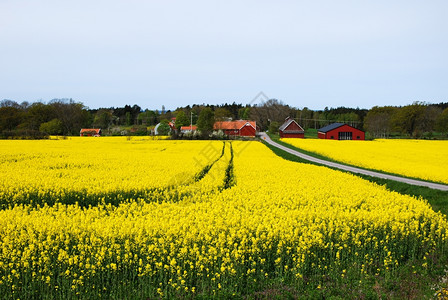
x=191, y=121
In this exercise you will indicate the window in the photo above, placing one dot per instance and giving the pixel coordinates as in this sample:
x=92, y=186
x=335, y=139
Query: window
x=345, y=135
x=358, y=137
x=332, y=137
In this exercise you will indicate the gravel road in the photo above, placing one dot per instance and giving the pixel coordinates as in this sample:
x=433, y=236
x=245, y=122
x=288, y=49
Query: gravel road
x=436, y=186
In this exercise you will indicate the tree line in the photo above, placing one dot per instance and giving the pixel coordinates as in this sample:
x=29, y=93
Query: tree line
x=415, y=120
x=67, y=117
x=37, y=120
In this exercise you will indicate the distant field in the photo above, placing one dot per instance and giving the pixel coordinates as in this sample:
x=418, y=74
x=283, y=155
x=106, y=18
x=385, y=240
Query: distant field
x=423, y=159
x=112, y=218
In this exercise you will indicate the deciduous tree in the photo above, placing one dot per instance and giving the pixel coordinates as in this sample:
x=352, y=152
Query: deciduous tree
x=164, y=128
x=378, y=121
x=442, y=121
x=10, y=117
x=405, y=118
x=181, y=119
x=103, y=119
x=206, y=121
x=51, y=127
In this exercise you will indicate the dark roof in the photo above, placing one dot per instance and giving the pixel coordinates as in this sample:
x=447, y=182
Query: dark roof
x=287, y=123
x=331, y=127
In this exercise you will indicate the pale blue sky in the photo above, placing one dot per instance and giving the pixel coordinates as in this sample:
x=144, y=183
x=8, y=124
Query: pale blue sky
x=175, y=53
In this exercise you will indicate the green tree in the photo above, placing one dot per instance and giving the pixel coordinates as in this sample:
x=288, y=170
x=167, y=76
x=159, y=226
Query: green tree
x=273, y=127
x=148, y=117
x=244, y=113
x=426, y=121
x=442, y=121
x=304, y=117
x=10, y=118
x=222, y=114
x=103, y=118
x=405, y=119
x=349, y=118
x=378, y=121
x=164, y=128
x=126, y=115
x=181, y=119
x=271, y=110
x=37, y=114
x=73, y=115
x=206, y=121
x=128, y=118
x=51, y=127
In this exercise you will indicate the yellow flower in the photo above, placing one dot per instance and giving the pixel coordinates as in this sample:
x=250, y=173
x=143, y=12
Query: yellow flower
x=199, y=231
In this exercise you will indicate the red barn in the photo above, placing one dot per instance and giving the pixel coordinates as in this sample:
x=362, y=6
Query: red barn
x=90, y=132
x=340, y=131
x=237, y=128
x=291, y=129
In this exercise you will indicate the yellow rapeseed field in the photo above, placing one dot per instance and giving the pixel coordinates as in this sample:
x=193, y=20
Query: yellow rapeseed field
x=412, y=158
x=89, y=169
x=238, y=219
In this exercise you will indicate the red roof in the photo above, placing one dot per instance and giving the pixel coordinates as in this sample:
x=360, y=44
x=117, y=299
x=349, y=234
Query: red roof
x=90, y=130
x=233, y=125
x=194, y=127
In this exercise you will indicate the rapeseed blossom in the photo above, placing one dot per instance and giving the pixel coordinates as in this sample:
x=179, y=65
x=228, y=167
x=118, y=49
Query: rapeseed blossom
x=276, y=220
x=411, y=158
x=91, y=171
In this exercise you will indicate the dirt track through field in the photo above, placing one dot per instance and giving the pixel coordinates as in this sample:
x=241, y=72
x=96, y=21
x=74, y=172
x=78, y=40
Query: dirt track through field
x=431, y=185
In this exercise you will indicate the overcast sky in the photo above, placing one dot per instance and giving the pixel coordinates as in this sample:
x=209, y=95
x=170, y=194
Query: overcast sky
x=174, y=53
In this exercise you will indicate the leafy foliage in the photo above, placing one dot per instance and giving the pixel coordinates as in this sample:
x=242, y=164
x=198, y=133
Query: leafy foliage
x=53, y=127
x=206, y=121
x=182, y=119
x=442, y=121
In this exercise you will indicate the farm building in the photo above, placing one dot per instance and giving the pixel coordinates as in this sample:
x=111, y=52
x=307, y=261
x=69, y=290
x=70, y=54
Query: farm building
x=340, y=131
x=291, y=129
x=185, y=129
x=90, y=132
x=237, y=128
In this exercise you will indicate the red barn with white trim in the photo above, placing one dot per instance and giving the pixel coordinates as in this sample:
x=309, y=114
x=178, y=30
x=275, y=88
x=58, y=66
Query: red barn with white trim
x=237, y=128
x=291, y=129
x=340, y=131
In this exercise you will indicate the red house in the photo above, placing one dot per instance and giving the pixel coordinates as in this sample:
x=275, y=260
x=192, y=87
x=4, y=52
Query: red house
x=90, y=132
x=340, y=131
x=185, y=129
x=237, y=128
x=291, y=129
